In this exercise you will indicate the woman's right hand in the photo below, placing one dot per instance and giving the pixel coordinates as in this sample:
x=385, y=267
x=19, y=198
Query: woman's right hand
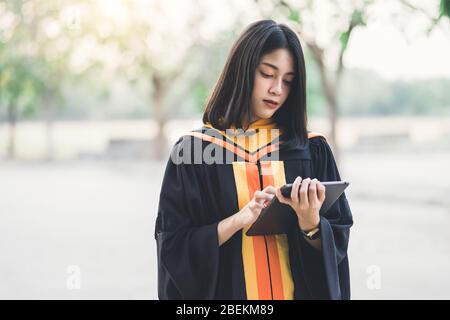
x=251, y=211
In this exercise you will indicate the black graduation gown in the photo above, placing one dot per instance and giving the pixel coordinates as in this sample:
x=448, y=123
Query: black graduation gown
x=194, y=198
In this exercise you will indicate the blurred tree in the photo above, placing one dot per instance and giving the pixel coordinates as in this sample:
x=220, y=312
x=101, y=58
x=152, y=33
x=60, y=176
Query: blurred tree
x=18, y=84
x=444, y=9
x=35, y=53
x=326, y=27
x=342, y=20
x=151, y=42
x=52, y=44
x=442, y=12
x=18, y=89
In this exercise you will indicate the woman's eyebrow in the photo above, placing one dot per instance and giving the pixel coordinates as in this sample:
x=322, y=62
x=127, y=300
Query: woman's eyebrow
x=276, y=68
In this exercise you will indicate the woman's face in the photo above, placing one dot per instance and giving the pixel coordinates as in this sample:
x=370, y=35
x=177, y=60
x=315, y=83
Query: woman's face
x=272, y=81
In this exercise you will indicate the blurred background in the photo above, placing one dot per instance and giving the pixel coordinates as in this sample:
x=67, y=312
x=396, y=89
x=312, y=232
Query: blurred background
x=93, y=93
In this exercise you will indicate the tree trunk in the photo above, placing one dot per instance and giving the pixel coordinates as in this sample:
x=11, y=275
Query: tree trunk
x=49, y=121
x=12, y=120
x=333, y=108
x=161, y=144
x=331, y=96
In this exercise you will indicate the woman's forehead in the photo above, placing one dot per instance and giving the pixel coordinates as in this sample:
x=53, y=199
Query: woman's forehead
x=280, y=60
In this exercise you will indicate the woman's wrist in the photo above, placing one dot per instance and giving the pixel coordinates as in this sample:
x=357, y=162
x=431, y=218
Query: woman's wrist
x=307, y=226
x=227, y=228
x=237, y=221
x=311, y=232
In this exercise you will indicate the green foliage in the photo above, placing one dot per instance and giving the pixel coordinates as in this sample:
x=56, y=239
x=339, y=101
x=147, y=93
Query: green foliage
x=19, y=86
x=33, y=69
x=315, y=98
x=200, y=93
x=294, y=15
x=343, y=38
x=357, y=19
x=445, y=8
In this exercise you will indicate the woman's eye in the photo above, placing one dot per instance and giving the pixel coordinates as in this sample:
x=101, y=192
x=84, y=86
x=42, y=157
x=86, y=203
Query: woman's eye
x=270, y=76
x=266, y=75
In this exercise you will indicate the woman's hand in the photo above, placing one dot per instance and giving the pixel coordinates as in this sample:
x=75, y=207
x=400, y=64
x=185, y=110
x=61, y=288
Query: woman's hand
x=307, y=202
x=251, y=211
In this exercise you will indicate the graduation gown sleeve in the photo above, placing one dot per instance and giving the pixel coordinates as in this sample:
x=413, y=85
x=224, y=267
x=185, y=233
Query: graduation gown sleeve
x=186, y=238
x=335, y=225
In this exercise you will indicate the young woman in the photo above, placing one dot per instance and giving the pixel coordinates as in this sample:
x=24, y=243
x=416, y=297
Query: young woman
x=255, y=130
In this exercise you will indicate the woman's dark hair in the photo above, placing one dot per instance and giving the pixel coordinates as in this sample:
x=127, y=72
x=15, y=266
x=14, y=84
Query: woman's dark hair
x=230, y=99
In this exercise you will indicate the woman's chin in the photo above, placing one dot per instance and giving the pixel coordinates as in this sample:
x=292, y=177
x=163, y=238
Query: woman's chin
x=266, y=114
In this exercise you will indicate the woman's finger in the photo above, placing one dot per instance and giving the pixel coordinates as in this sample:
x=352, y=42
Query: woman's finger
x=270, y=190
x=255, y=206
x=321, y=192
x=304, y=202
x=261, y=196
x=295, y=188
x=282, y=198
x=312, y=193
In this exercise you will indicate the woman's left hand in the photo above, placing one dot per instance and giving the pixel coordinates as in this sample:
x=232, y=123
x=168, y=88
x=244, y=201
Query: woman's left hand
x=307, y=202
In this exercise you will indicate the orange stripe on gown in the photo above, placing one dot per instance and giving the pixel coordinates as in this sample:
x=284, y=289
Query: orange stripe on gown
x=259, y=243
x=266, y=277
x=275, y=268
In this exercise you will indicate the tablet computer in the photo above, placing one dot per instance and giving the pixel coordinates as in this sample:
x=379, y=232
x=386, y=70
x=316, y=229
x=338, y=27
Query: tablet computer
x=277, y=217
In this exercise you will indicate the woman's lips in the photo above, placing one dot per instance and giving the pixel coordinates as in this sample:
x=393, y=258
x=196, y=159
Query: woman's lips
x=270, y=104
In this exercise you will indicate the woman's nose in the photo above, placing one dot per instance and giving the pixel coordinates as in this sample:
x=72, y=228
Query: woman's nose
x=276, y=88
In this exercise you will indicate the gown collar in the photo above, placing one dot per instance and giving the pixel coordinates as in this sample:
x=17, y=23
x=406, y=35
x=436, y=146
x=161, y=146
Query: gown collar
x=254, y=140
x=257, y=135
x=261, y=124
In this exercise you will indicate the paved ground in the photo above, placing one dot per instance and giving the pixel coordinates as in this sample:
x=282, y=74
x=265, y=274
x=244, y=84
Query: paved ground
x=93, y=222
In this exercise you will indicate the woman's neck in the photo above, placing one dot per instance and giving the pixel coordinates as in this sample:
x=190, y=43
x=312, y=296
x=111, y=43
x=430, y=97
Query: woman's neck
x=253, y=119
x=261, y=123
